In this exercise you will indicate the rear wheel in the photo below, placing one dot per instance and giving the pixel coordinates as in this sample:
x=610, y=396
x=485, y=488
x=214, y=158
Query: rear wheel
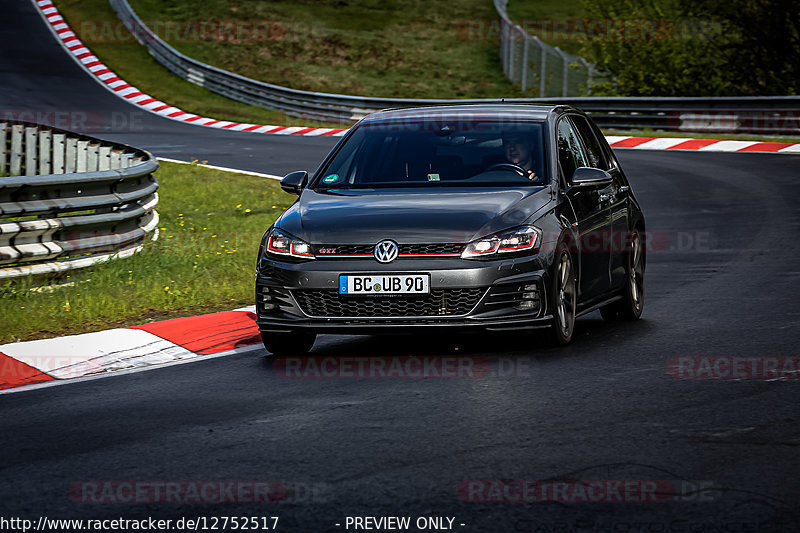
x=632, y=302
x=288, y=343
x=564, y=298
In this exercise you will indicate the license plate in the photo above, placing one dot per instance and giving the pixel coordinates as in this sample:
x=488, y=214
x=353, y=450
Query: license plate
x=385, y=284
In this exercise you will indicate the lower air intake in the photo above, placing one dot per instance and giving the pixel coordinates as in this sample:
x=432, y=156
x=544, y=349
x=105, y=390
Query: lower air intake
x=440, y=302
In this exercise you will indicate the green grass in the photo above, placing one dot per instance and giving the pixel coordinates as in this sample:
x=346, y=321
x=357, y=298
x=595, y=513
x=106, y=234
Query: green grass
x=553, y=21
x=402, y=48
x=204, y=261
x=134, y=64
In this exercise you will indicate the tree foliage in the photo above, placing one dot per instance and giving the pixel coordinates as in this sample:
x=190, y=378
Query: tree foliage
x=690, y=48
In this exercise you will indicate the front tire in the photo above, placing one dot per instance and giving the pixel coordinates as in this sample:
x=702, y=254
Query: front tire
x=280, y=344
x=564, y=298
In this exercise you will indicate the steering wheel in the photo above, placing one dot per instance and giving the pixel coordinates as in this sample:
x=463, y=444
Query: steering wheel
x=508, y=166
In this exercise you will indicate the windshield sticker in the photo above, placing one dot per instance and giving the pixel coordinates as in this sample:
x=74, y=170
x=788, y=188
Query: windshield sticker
x=333, y=178
x=433, y=177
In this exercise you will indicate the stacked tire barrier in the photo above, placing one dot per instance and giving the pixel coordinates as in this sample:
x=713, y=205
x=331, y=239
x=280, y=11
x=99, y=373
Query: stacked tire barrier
x=70, y=201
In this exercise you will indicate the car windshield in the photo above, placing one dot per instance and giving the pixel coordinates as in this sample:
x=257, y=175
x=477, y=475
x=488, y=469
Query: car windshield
x=431, y=154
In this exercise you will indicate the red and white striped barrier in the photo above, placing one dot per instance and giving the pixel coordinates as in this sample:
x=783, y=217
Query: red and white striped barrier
x=118, y=86
x=127, y=349
x=130, y=93
x=701, y=145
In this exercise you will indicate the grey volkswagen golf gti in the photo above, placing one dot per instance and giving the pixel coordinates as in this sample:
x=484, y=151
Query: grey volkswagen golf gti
x=495, y=217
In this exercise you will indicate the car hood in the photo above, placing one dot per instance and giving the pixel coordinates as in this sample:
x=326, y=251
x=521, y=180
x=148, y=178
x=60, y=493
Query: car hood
x=406, y=215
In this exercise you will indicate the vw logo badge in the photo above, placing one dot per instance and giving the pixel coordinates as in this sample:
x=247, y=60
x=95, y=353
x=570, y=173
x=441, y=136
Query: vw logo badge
x=386, y=251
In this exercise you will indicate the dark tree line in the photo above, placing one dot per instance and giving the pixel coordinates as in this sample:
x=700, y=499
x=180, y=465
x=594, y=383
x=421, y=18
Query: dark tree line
x=698, y=48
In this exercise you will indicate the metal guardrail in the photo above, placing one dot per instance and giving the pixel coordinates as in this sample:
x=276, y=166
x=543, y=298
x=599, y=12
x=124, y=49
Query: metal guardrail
x=70, y=201
x=772, y=115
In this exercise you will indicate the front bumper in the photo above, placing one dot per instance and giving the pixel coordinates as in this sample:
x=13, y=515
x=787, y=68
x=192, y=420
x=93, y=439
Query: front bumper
x=465, y=295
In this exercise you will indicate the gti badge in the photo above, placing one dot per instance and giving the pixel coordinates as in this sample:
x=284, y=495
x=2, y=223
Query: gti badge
x=386, y=251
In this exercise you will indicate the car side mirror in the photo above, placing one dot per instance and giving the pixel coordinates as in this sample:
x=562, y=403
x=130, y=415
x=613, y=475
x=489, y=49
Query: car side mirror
x=294, y=182
x=590, y=177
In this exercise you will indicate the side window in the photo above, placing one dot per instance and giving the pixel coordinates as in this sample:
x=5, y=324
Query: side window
x=570, y=154
x=612, y=161
x=594, y=150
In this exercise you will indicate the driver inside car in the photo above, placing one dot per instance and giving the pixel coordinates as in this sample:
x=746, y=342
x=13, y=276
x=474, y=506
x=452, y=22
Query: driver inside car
x=520, y=153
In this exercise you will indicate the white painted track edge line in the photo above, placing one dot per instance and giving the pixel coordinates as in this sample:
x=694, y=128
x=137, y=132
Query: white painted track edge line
x=224, y=169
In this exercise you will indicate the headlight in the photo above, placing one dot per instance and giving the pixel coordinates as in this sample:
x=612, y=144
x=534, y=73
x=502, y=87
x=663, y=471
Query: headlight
x=524, y=239
x=281, y=243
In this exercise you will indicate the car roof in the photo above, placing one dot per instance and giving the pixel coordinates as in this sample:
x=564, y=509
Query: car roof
x=500, y=111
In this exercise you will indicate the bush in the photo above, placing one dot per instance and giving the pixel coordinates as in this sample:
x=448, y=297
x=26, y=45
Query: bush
x=688, y=48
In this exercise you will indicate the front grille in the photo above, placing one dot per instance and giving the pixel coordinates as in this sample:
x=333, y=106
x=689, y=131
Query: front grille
x=440, y=302
x=443, y=248
x=337, y=250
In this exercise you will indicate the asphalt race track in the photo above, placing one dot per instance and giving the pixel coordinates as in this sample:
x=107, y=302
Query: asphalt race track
x=38, y=76
x=723, y=279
